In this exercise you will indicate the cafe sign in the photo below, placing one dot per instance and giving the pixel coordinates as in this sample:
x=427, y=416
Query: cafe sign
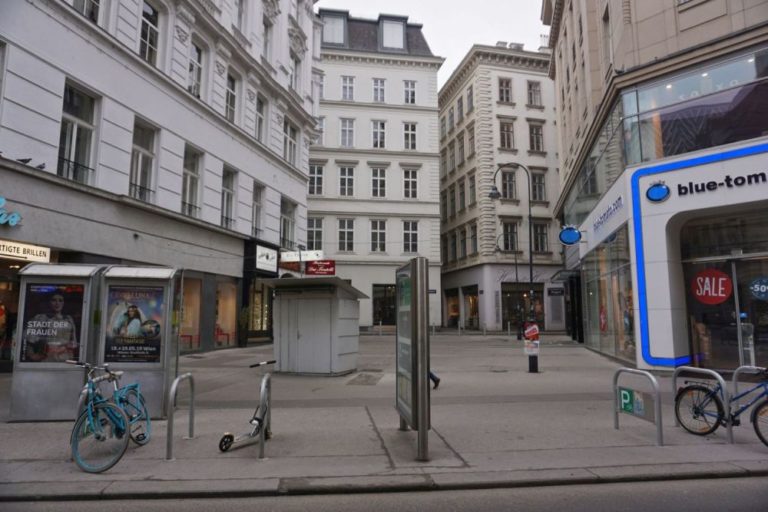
x=24, y=252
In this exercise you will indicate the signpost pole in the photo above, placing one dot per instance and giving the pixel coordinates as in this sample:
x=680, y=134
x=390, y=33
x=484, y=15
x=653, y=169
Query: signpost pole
x=422, y=365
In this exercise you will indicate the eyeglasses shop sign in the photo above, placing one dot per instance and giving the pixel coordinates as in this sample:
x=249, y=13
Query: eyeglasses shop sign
x=24, y=252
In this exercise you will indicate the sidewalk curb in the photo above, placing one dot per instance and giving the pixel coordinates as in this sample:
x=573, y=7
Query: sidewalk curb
x=175, y=489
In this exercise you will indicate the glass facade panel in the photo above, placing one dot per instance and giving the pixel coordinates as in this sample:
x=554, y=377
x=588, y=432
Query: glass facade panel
x=189, y=337
x=225, y=334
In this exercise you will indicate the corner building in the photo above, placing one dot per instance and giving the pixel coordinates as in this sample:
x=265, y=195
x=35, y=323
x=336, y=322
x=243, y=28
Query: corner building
x=373, y=172
x=166, y=133
x=497, y=110
x=662, y=121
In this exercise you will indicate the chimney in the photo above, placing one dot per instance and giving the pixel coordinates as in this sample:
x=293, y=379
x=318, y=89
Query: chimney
x=516, y=46
x=544, y=44
x=502, y=44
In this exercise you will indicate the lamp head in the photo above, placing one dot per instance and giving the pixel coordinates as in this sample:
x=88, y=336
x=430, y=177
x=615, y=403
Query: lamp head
x=494, y=193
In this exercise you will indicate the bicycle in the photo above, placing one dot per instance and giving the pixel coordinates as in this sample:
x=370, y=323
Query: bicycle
x=99, y=437
x=699, y=408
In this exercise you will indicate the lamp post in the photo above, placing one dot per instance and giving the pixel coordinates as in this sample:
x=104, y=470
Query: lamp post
x=494, y=194
x=517, y=280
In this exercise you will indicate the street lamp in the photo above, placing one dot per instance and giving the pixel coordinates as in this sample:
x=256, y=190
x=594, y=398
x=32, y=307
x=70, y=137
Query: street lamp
x=494, y=194
x=517, y=280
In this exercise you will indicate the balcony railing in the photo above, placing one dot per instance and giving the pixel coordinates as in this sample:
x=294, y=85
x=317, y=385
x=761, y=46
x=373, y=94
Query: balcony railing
x=141, y=193
x=190, y=209
x=227, y=222
x=74, y=171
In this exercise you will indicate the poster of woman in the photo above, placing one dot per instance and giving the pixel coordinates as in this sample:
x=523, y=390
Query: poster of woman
x=134, y=320
x=51, y=324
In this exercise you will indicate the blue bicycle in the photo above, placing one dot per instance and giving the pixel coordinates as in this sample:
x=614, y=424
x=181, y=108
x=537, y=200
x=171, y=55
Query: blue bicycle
x=101, y=432
x=699, y=407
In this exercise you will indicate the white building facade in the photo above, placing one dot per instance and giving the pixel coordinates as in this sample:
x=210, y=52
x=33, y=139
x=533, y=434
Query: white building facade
x=161, y=133
x=497, y=114
x=373, y=174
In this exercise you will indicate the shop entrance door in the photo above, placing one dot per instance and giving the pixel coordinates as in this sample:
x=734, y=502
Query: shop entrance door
x=728, y=312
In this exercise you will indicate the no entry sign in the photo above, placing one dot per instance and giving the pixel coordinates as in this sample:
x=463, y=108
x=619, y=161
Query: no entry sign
x=711, y=286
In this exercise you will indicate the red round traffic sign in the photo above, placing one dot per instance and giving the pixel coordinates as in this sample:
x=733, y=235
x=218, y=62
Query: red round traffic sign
x=711, y=286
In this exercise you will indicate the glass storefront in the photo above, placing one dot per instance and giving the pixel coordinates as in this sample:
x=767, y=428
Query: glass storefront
x=225, y=334
x=725, y=267
x=189, y=338
x=607, y=297
x=516, y=304
x=384, y=304
x=471, y=308
x=452, y=307
x=260, y=313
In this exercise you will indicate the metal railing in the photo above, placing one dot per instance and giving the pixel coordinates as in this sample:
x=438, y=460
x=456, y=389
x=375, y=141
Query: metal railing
x=171, y=406
x=721, y=381
x=656, y=400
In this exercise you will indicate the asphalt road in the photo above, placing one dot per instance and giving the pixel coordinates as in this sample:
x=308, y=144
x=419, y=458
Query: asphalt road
x=719, y=495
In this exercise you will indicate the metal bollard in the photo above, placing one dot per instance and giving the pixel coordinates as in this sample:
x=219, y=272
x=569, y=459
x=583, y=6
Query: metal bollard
x=509, y=329
x=170, y=407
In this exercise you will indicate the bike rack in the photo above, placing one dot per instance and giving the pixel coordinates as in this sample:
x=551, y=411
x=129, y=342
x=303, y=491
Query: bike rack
x=726, y=395
x=265, y=404
x=656, y=400
x=170, y=407
x=740, y=370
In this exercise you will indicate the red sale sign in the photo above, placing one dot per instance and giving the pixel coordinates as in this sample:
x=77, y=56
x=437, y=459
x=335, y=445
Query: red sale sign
x=711, y=286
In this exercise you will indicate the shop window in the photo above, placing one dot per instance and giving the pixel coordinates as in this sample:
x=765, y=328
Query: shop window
x=225, y=333
x=189, y=337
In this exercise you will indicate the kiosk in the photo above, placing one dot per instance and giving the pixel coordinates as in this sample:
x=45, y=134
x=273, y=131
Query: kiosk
x=54, y=323
x=316, y=325
x=139, y=332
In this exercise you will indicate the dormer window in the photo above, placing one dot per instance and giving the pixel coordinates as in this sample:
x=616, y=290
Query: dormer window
x=393, y=34
x=333, y=29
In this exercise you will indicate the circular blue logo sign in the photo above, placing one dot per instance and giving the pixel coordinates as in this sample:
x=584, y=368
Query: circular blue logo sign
x=759, y=288
x=570, y=235
x=657, y=193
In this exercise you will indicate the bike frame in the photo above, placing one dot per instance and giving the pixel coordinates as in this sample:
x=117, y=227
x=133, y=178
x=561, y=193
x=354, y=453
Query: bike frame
x=718, y=389
x=95, y=398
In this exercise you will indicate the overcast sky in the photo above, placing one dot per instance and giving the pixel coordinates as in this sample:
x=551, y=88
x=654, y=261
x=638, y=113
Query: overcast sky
x=452, y=27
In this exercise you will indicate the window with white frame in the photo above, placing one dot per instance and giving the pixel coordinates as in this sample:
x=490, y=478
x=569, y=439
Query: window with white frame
x=452, y=201
x=393, y=34
x=320, y=140
x=410, y=183
x=261, y=116
x=267, y=45
x=190, y=183
x=287, y=223
x=240, y=6
x=536, y=137
x=507, y=134
x=410, y=236
x=470, y=99
x=463, y=243
x=452, y=247
x=460, y=147
x=378, y=235
x=473, y=239
x=505, y=90
x=378, y=182
x=443, y=162
x=295, y=72
x=315, y=233
x=409, y=136
x=195, y=79
x=538, y=186
x=142, y=158
x=451, y=122
x=508, y=185
x=333, y=29
x=347, y=133
x=452, y=156
x=409, y=90
x=348, y=88
x=231, y=98
x=471, y=141
x=509, y=238
x=88, y=8
x=346, y=181
x=462, y=196
x=150, y=33
x=459, y=109
x=540, y=237
x=534, y=94
x=316, y=179
x=76, y=138
x=256, y=207
x=378, y=133
x=443, y=206
x=442, y=127
x=321, y=87
x=228, y=198
x=378, y=90
x=346, y=235
x=472, y=190
x=290, y=140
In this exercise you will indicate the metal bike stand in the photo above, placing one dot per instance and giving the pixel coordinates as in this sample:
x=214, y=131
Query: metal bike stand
x=726, y=395
x=171, y=406
x=656, y=400
x=739, y=371
x=265, y=404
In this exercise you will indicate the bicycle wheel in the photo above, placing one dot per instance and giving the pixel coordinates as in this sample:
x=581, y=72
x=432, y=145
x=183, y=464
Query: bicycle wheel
x=760, y=421
x=98, y=445
x=698, y=409
x=138, y=415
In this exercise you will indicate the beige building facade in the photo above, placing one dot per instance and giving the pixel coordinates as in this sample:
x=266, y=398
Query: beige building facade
x=662, y=125
x=497, y=113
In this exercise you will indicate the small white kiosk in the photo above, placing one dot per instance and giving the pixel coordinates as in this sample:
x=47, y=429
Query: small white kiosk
x=316, y=325
x=55, y=315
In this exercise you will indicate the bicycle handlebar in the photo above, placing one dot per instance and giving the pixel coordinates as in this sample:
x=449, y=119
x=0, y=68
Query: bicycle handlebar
x=110, y=375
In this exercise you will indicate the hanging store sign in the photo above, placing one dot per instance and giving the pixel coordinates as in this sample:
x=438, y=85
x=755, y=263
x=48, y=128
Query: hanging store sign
x=711, y=286
x=24, y=252
x=7, y=218
x=321, y=268
x=266, y=258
